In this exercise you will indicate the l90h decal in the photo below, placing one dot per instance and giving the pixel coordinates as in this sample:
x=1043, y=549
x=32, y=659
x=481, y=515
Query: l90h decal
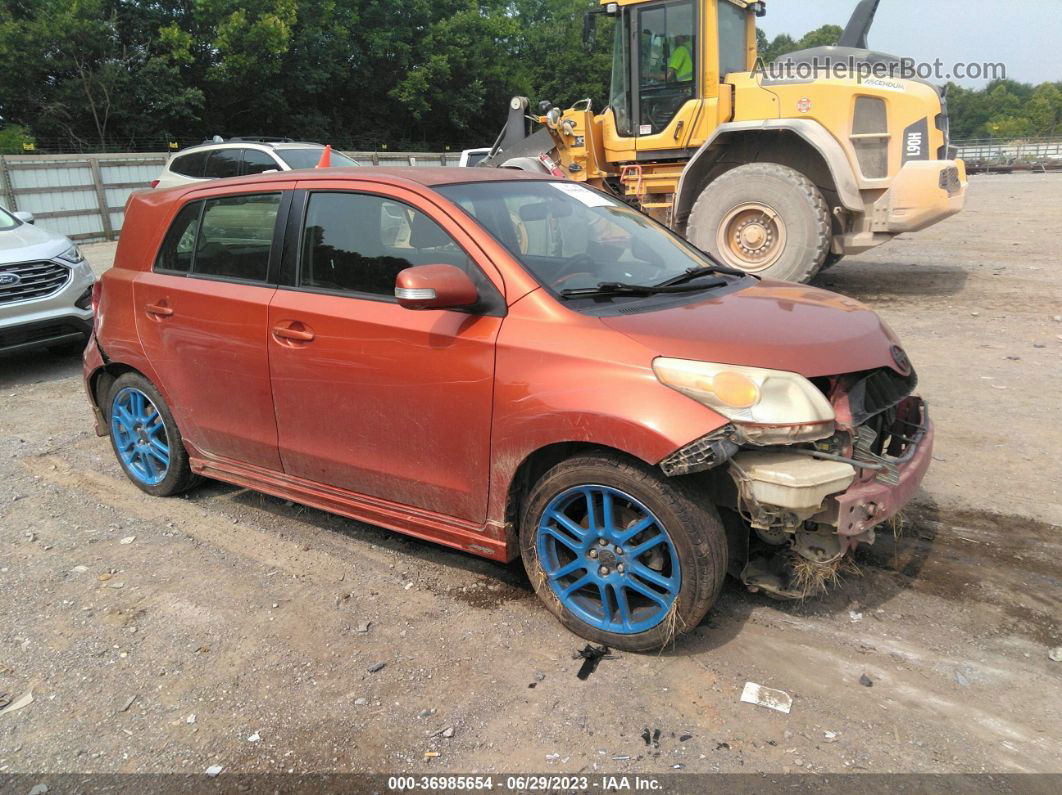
x=916, y=141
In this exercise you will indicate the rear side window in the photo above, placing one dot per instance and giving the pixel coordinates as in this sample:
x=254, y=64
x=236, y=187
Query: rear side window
x=359, y=242
x=223, y=163
x=190, y=165
x=235, y=237
x=256, y=161
x=177, y=249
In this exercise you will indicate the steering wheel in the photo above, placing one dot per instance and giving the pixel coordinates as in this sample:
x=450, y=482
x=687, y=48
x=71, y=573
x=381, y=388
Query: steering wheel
x=571, y=266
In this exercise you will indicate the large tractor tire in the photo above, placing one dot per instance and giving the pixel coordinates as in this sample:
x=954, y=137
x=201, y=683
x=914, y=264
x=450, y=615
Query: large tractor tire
x=763, y=218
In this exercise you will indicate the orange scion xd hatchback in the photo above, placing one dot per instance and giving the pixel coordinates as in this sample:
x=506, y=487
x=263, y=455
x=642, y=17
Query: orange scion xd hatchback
x=507, y=364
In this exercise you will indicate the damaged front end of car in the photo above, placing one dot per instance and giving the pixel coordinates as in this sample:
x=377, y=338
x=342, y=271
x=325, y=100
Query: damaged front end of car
x=798, y=497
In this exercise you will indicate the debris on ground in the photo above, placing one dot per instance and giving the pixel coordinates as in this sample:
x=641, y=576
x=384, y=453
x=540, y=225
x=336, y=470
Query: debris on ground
x=214, y=771
x=961, y=679
x=855, y=615
x=190, y=719
x=363, y=627
x=768, y=697
x=5, y=699
x=254, y=738
x=128, y=703
x=831, y=737
x=428, y=755
x=591, y=655
x=866, y=681
x=18, y=704
x=1055, y=654
x=127, y=540
x=685, y=737
x=376, y=667
x=653, y=739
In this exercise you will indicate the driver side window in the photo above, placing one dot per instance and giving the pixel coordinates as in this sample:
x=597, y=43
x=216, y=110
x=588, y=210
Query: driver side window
x=667, y=63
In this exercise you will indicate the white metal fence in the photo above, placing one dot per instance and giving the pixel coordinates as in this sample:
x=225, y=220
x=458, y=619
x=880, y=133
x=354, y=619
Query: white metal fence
x=1031, y=150
x=83, y=196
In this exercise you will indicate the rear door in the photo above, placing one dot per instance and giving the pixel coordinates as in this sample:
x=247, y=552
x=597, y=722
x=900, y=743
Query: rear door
x=370, y=397
x=201, y=315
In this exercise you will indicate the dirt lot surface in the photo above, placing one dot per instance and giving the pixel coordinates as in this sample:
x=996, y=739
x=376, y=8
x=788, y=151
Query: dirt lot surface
x=222, y=628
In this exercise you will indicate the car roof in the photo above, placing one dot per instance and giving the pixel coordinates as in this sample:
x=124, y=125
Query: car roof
x=237, y=143
x=427, y=177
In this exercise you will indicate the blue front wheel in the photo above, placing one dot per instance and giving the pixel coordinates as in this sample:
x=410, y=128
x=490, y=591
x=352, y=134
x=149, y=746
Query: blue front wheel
x=621, y=554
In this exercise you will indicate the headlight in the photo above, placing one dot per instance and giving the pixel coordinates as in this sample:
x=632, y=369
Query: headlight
x=767, y=406
x=72, y=255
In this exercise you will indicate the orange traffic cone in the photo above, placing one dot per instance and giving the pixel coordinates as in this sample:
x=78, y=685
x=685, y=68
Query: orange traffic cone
x=326, y=157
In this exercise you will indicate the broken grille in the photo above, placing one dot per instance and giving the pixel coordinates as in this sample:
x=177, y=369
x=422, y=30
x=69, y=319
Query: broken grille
x=31, y=280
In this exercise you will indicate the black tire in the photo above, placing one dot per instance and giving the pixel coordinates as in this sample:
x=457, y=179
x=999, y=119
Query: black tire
x=691, y=523
x=788, y=193
x=179, y=476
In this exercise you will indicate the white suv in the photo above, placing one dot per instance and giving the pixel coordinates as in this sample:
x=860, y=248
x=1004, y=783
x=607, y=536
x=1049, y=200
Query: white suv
x=239, y=157
x=45, y=287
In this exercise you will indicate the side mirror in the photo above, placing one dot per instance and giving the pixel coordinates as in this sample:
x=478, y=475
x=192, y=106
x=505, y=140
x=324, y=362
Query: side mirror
x=435, y=287
x=24, y=217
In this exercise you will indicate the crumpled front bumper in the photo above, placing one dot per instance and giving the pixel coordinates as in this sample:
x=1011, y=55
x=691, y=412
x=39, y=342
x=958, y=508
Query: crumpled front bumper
x=869, y=502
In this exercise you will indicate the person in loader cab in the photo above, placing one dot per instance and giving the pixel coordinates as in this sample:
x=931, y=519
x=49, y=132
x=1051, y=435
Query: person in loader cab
x=680, y=65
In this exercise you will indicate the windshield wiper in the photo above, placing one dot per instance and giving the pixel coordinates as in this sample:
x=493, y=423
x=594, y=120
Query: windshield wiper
x=605, y=289
x=696, y=273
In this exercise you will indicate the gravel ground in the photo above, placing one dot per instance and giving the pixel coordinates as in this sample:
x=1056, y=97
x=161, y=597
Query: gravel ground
x=230, y=628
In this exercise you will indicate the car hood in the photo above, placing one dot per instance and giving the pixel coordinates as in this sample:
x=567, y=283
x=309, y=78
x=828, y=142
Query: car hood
x=26, y=242
x=773, y=324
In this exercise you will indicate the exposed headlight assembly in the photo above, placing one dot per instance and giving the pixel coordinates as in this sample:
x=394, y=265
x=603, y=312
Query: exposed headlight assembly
x=72, y=255
x=766, y=406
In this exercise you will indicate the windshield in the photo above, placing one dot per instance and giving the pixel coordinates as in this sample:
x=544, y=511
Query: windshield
x=309, y=158
x=7, y=221
x=571, y=237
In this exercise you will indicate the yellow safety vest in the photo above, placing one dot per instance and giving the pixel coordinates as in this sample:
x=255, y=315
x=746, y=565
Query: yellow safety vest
x=681, y=64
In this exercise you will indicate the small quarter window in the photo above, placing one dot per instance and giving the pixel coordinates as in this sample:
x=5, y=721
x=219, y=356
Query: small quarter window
x=190, y=165
x=359, y=243
x=176, y=252
x=236, y=237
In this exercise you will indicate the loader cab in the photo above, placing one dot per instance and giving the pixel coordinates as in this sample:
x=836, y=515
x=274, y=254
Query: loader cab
x=669, y=57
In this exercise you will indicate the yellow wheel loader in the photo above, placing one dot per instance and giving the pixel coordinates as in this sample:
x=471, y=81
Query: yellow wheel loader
x=778, y=170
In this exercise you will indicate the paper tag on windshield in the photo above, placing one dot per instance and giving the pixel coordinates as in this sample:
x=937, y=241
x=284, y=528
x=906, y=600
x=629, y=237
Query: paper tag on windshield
x=582, y=193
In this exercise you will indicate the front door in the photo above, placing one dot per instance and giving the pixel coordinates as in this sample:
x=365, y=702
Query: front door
x=370, y=397
x=201, y=314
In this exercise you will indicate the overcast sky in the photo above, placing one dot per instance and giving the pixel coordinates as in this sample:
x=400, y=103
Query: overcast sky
x=1026, y=36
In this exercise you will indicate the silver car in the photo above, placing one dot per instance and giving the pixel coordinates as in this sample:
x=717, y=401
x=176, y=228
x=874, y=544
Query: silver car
x=45, y=287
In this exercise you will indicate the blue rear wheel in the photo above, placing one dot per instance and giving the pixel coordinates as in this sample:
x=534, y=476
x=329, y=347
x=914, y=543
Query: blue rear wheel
x=140, y=436
x=608, y=559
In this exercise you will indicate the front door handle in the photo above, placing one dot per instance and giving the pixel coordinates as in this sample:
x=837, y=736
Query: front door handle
x=158, y=310
x=294, y=332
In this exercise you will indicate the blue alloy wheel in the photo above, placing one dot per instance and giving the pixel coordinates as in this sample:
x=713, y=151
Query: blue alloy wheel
x=608, y=559
x=140, y=436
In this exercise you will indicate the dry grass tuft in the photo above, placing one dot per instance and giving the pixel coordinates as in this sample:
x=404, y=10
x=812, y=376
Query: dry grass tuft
x=818, y=578
x=897, y=523
x=671, y=626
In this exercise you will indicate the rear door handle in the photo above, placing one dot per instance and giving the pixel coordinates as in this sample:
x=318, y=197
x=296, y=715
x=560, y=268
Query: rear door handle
x=159, y=310
x=295, y=332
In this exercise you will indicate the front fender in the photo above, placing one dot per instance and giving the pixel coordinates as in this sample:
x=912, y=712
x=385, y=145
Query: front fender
x=580, y=382
x=812, y=133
